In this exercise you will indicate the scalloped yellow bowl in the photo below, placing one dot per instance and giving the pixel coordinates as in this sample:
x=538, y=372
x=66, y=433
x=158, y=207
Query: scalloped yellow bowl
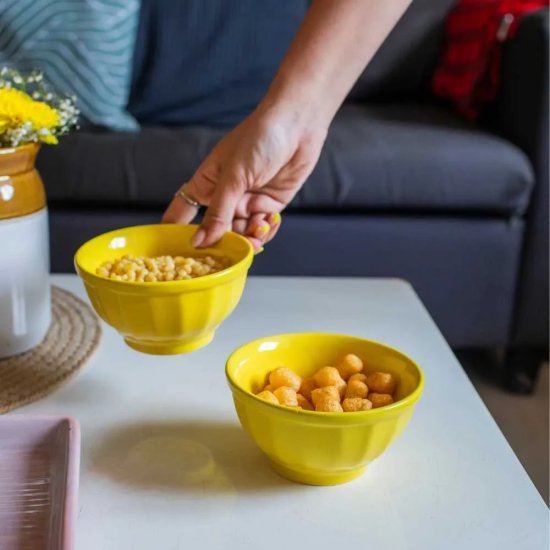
x=317, y=448
x=166, y=317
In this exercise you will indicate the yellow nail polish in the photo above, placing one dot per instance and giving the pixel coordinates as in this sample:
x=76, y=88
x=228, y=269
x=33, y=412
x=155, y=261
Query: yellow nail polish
x=276, y=218
x=260, y=250
x=262, y=230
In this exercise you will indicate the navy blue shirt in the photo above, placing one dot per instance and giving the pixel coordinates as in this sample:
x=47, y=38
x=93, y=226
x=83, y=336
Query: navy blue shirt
x=208, y=62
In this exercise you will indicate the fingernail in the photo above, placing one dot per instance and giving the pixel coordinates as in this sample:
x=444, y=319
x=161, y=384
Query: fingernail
x=198, y=238
x=261, y=231
x=260, y=250
x=276, y=218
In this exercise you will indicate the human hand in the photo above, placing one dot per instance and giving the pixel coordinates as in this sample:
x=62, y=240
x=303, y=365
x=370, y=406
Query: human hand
x=250, y=176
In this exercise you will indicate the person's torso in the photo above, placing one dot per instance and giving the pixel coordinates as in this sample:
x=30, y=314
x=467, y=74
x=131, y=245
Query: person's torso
x=208, y=62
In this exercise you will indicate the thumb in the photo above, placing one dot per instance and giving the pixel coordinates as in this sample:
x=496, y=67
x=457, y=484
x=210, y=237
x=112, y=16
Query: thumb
x=220, y=212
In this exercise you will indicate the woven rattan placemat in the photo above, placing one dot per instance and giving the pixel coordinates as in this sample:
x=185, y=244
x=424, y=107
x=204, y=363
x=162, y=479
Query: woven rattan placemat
x=73, y=337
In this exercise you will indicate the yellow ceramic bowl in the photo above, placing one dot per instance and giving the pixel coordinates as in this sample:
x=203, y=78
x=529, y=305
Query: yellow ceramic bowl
x=166, y=317
x=312, y=447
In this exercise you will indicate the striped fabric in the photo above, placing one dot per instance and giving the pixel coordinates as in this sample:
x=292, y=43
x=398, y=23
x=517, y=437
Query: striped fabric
x=84, y=47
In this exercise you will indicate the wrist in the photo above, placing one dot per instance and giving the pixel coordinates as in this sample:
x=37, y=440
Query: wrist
x=297, y=107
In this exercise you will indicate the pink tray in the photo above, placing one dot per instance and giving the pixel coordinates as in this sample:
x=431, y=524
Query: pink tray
x=39, y=466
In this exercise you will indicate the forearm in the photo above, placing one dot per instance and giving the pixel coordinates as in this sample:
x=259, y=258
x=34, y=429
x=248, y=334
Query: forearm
x=335, y=42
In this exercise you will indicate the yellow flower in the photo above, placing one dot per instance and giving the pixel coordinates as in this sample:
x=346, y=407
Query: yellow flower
x=17, y=109
x=50, y=139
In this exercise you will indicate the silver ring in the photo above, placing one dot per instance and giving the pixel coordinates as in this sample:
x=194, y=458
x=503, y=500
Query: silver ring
x=181, y=193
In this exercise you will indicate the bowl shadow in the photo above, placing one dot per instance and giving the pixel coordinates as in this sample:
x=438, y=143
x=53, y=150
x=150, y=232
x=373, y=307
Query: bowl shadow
x=186, y=456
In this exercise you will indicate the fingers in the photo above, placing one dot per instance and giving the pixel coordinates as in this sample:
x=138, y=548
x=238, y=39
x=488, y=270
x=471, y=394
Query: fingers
x=225, y=203
x=259, y=229
x=180, y=210
x=220, y=212
x=240, y=225
x=265, y=227
x=274, y=221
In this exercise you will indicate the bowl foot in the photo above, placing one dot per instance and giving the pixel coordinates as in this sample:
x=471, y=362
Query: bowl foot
x=317, y=478
x=173, y=347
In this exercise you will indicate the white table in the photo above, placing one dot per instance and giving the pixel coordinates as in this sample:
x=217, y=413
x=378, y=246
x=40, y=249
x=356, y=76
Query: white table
x=166, y=465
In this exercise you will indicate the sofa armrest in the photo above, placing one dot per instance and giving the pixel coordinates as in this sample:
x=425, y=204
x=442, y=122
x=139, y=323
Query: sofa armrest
x=520, y=114
x=520, y=111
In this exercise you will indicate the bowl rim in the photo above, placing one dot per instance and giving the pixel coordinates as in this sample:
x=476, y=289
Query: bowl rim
x=194, y=284
x=397, y=406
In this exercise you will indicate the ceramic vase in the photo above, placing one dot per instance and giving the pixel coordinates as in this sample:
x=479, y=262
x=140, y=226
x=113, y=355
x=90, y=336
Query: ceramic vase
x=25, y=303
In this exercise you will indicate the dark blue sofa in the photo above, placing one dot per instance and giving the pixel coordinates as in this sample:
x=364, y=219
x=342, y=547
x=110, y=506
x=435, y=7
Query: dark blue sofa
x=404, y=187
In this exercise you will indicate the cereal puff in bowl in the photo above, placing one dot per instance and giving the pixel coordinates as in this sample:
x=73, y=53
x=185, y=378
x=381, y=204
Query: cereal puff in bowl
x=305, y=400
x=162, y=295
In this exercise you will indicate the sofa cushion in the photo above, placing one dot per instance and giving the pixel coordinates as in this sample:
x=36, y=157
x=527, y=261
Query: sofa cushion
x=416, y=157
x=404, y=64
x=84, y=49
x=377, y=157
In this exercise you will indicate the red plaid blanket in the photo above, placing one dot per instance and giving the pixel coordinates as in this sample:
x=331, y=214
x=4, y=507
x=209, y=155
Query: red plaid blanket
x=469, y=72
